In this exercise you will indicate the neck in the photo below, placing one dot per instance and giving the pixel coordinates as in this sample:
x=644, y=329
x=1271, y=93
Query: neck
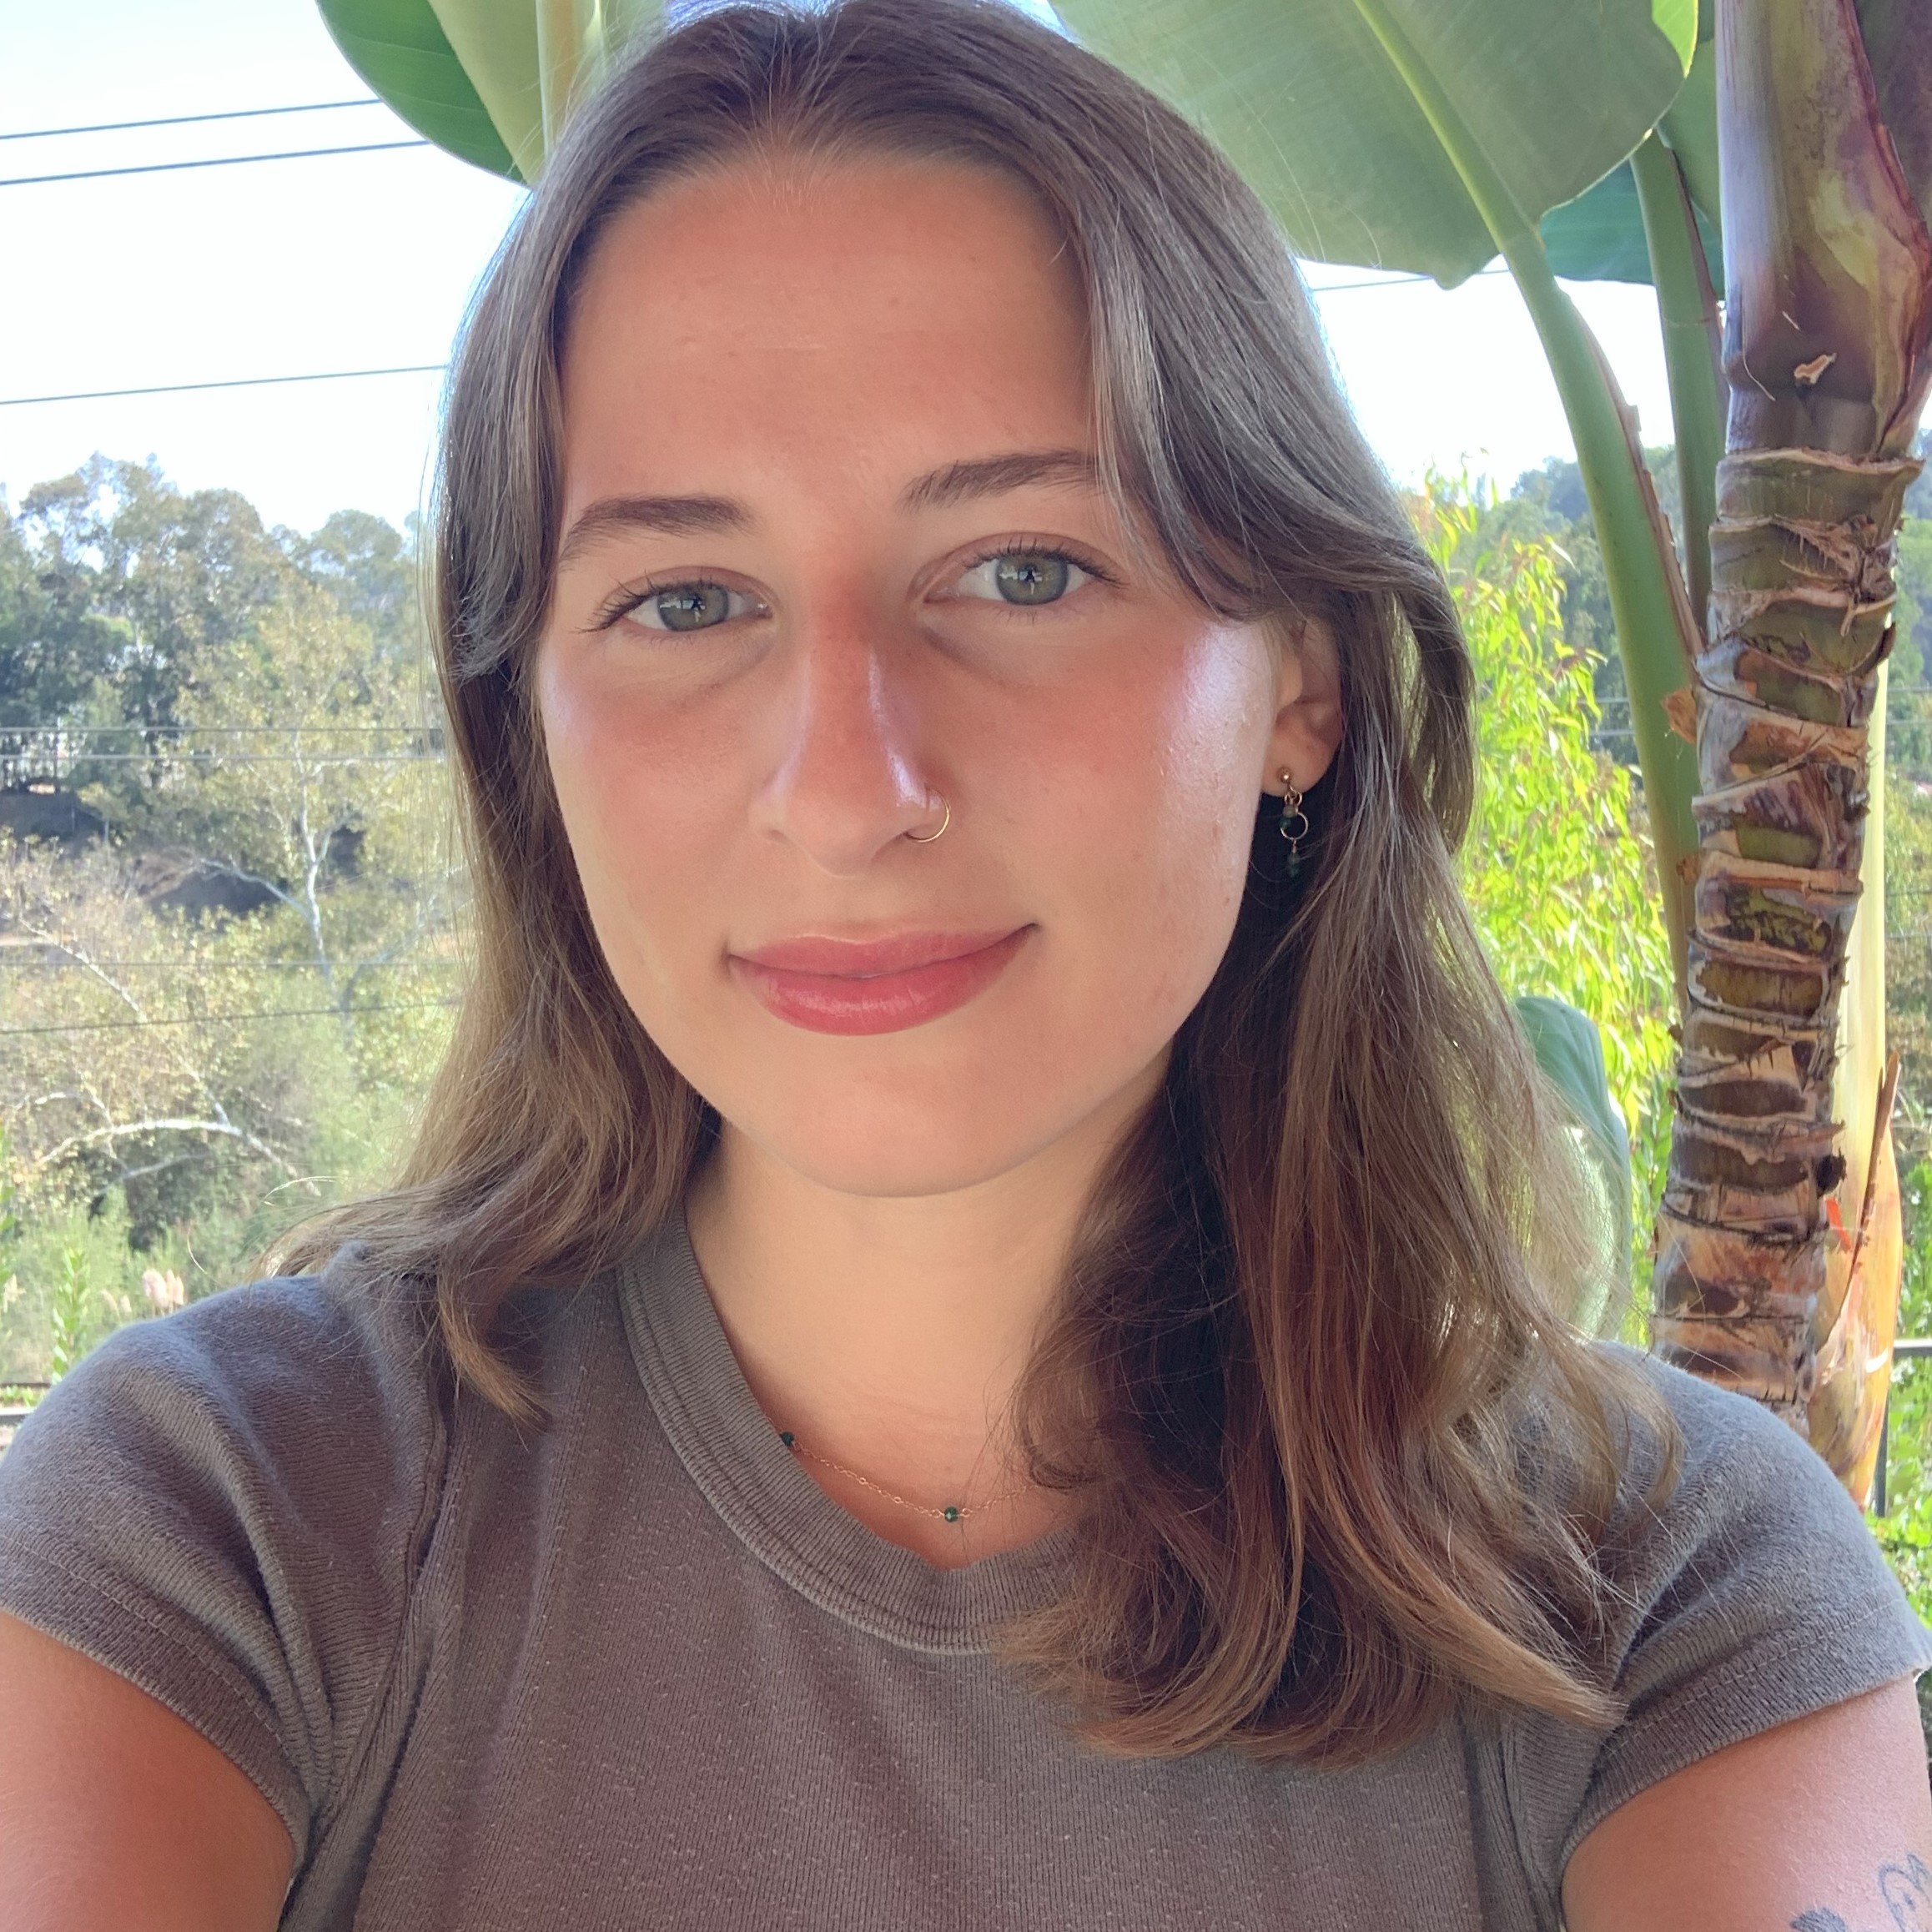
x=887, y=1333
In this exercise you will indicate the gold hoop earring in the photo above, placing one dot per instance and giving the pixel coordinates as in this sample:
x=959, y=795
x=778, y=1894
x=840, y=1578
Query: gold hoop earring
x=932, y=837
x=1295, y=827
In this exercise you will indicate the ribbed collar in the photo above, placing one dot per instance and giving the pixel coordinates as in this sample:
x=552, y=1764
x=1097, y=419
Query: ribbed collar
x=756, y=1484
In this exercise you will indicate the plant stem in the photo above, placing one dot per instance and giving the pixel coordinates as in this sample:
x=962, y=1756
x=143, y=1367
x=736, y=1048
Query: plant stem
x=1687, y=307
x=1657, y=632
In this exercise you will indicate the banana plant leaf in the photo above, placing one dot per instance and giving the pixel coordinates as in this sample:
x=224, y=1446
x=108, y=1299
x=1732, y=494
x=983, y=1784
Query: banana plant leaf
x=468, y=76
x=1599, y=236
x=399, y=46
x=1569, y=1052
x=489, y=80
x=1314, y=103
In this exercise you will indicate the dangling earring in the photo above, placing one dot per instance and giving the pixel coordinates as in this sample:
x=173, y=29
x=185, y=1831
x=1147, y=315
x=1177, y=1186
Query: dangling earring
x=1294, y=826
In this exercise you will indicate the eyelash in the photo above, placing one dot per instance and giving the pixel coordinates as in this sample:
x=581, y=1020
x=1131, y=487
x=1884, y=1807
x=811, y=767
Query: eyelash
x=627, y=600
x=1025, y=547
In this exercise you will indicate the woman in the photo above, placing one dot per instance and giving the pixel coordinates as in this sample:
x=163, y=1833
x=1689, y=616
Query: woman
x=974, y=1337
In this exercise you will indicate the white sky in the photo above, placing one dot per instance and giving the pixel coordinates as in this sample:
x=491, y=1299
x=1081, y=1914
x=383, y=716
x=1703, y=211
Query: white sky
x=367, y=260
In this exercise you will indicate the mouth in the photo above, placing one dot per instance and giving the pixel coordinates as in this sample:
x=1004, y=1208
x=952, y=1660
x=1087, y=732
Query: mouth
x=863, y=986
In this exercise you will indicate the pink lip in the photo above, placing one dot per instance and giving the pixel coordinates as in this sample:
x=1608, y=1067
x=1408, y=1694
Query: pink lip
x=855, y=986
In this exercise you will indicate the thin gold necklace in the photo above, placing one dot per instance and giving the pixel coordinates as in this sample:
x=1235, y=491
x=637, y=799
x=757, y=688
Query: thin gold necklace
x=950, y=1512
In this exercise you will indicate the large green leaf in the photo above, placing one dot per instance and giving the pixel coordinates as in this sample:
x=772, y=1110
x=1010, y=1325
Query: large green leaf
x=1320, y=104
x=490, y=80
x=1599, y=236
x=399, y=48
x=1570, y=1051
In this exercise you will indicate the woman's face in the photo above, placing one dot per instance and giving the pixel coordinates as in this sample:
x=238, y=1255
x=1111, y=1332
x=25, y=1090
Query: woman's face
x=834, y=553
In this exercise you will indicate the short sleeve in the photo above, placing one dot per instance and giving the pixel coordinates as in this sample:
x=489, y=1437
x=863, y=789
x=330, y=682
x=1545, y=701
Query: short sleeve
x=1753, y=1596
x=226, y=1506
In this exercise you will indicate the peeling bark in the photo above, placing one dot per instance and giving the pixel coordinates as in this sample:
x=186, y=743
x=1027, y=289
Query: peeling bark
x=1801, y=603
x=1828, y=327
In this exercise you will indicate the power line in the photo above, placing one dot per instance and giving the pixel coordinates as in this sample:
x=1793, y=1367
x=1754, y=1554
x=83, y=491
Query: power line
x=400, y=369
x=232, y=382
x=35, y=951
x=230, y=1018
x=411, y=368
x=185, y=120
x=1392, y=282
x=216, y=161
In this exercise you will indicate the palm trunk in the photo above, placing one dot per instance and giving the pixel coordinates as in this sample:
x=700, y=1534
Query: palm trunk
x=1772, y=1240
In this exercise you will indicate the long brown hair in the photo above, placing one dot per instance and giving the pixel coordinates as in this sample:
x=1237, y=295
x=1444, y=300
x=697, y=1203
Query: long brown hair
x=1313, y=1336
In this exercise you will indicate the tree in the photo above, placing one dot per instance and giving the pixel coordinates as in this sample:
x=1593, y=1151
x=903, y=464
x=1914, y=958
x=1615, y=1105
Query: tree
x=183, y=575
x=308, y=776
x=370, y=569
x=117, y=592
x=220, y=1014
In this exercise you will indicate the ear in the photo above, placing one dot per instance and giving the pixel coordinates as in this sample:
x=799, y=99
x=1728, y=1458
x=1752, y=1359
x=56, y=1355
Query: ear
x=1307, y=730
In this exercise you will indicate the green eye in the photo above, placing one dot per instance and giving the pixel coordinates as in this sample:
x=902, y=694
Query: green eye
x=687, y=607
x=1032, y=576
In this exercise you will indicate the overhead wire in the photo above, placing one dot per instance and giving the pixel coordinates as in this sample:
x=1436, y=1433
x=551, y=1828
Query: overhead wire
x=231, y=382
x=187, y=120
x=427, y=367
x=211, y=161
x=240, y=381
x=229, y=1019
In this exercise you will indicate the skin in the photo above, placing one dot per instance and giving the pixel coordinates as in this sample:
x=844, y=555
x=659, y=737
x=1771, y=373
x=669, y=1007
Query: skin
x=882, y=1227
x=829, y=340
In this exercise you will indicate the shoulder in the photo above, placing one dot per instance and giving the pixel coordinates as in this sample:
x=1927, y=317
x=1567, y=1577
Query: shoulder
x=1742, y=1595
x=1745, y=1594
x=1750, y=1499
x=228, y=1506
x=279, y=1372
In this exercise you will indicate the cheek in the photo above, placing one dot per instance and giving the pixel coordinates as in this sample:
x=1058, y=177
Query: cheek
x=641, y=809
x=1202, y=821
x=1178, y=817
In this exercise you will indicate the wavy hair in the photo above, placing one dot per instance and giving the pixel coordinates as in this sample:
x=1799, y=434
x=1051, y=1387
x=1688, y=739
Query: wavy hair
x=1343, y=1463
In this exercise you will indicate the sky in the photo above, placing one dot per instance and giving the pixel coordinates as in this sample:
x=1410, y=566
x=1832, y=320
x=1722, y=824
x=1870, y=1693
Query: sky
x=366, y=261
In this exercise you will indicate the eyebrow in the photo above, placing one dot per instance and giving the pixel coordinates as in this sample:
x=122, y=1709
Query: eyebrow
x=988, y=475
x=952, y=483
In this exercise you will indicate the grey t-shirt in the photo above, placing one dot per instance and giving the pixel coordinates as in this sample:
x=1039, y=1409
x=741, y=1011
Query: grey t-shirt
x=636, y=1670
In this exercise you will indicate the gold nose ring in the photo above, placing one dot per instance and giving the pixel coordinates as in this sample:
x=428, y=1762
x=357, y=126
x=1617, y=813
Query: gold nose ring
x=928, y=838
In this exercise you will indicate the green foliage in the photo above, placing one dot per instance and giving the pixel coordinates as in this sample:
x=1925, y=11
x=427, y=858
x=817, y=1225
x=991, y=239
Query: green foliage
x=220, y=1016
x=75, y=1311
x=1905, y=1531
x=125, y=592
x=1558, y=871
x=1908, y=955
x=479, y=76
x=399, y=47
x=1355, y=120
x=1909, y=727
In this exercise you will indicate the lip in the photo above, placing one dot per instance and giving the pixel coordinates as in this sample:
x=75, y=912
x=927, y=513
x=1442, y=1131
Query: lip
x=884, y=985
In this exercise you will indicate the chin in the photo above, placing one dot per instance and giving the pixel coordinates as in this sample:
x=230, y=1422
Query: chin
x=891, y=1158
x=870, y=1174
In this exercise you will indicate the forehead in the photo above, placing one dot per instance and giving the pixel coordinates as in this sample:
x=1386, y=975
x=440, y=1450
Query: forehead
x=865, y=317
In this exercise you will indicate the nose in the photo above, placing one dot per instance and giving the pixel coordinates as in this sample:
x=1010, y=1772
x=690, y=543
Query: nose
x=845, y=783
